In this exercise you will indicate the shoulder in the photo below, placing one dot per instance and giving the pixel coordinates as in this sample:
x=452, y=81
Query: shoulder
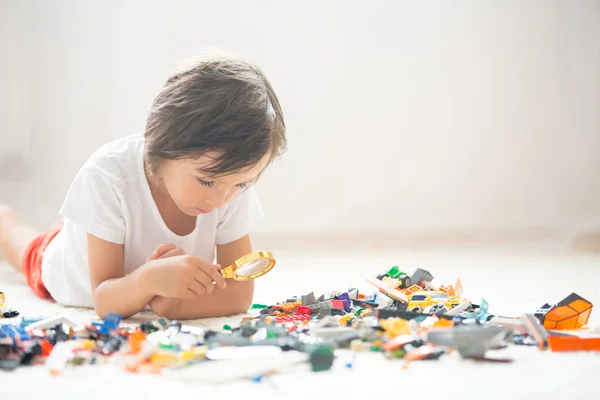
x=117, y=161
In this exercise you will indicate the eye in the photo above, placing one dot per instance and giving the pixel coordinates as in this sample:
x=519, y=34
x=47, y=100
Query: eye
x=205, y=183
x=243, y=185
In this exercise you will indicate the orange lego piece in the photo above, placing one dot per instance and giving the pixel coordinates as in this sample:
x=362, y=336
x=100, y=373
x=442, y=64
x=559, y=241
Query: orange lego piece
x=410, y=290
x=448, y=289
x=571, y=313
x=444, y=323
x=135, y=340
x=290, y=307
x=573, y=343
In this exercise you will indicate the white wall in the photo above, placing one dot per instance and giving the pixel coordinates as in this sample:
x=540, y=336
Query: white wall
x=402, y=116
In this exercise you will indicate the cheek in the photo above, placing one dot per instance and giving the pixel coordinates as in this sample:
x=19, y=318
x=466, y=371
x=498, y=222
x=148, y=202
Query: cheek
x=183, y=191
x=230, y=195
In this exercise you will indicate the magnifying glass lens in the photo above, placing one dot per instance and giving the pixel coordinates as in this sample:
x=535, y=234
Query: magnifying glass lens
x=253, y=267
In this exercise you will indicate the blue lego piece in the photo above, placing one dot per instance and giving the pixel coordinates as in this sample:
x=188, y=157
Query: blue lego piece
x=484, y=311
x=370, y=299
x=109, y=323
x=25, y=321
x=14, y=332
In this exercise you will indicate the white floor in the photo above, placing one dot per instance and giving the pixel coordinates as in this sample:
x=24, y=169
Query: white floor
x=513, y=281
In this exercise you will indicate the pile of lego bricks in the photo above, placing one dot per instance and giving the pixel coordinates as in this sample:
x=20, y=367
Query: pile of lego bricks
x=407, y=317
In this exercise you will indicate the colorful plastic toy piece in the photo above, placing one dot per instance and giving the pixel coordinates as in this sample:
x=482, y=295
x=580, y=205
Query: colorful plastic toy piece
x=395, y=273
x=109, y=323
x=535, y=330
x=321, y=359
x=292, y=318
x=290, y=307
x=421, y=276
x=15, y=332
x=413, y=289
x=448, y=289
x=572, y=312
x=308, y=299
x=393, y=293
x=303, y=310
x=573, y=343
x=419, y=301
x=5, y=312
x=345, y=298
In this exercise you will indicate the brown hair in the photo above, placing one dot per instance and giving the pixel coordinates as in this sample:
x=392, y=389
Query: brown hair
x=215, y=103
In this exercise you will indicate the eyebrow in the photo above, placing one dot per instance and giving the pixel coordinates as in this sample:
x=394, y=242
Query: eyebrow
x=220, y=182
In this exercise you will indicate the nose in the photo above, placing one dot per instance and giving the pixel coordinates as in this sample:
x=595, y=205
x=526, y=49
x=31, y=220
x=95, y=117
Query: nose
x=217, y=199
x=220, y=197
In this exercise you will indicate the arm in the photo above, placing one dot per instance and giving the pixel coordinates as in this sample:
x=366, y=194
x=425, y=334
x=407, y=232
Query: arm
x=236, y=298
x=112, y=290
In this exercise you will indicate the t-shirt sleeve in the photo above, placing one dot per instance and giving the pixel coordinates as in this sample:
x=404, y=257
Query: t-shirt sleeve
x=92, y=203
x=241, y=215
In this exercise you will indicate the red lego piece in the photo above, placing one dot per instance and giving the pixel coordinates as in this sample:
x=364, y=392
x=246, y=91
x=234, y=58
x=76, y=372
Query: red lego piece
x=303, y=310
x=292, y=318
x=337, y=304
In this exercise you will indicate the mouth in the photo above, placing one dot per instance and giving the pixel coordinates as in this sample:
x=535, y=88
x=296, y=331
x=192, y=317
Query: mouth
x=202, y=211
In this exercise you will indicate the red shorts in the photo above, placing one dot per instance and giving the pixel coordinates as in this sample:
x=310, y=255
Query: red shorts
x=31, y=265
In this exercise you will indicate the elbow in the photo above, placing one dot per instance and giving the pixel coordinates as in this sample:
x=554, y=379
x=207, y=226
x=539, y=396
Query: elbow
x=162, y=311
x=103, y=307
x=243, y=303
x=163, y=307
x=103, y=312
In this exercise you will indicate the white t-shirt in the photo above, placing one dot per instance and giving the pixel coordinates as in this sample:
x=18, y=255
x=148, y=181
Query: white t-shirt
x=111, y=199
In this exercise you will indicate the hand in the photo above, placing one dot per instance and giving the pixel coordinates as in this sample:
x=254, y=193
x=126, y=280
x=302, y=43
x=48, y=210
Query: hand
x=163, y=305
x=182, y=276
x=164, y=251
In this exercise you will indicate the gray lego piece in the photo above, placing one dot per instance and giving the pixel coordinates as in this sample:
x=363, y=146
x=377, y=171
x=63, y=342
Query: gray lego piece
x=421, y=275
x=470, y=340
x=308, y=299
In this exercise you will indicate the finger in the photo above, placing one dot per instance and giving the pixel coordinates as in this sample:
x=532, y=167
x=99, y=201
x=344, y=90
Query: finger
x=203, y=279
x=208, y=269
x=161, y=250
x=172, y=253
x=217, y=277
x=189, y=294
x=197, y=287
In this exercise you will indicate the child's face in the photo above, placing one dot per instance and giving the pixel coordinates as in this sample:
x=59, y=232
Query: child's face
x=195, y=192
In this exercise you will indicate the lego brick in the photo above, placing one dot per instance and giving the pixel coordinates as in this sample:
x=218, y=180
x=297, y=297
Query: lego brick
x=535, y=330
x=321, y=304
x=308, y=299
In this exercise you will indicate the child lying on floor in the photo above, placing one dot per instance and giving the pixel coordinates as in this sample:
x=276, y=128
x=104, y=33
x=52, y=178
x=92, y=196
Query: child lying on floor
x=143, y=217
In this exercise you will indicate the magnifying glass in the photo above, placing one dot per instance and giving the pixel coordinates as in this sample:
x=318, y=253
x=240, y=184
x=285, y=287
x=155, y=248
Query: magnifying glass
x=250, y=266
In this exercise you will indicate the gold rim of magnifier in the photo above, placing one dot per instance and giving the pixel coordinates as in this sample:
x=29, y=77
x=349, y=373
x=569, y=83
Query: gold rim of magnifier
x=229, y=272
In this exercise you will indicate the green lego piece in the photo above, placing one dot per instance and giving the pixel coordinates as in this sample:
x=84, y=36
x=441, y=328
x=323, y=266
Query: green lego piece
x=321, y=358
x=395, y=272
x=375, y=349
x=258, y=306
x=226, y=327
x=167, y=346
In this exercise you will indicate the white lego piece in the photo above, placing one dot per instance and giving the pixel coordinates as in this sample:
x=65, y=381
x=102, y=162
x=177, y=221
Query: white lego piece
x=53, y=321
x=383, y=301
x=508, y=322
x=60, y=355
x=459, y=308
x=394, y=293
x=328, y=332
